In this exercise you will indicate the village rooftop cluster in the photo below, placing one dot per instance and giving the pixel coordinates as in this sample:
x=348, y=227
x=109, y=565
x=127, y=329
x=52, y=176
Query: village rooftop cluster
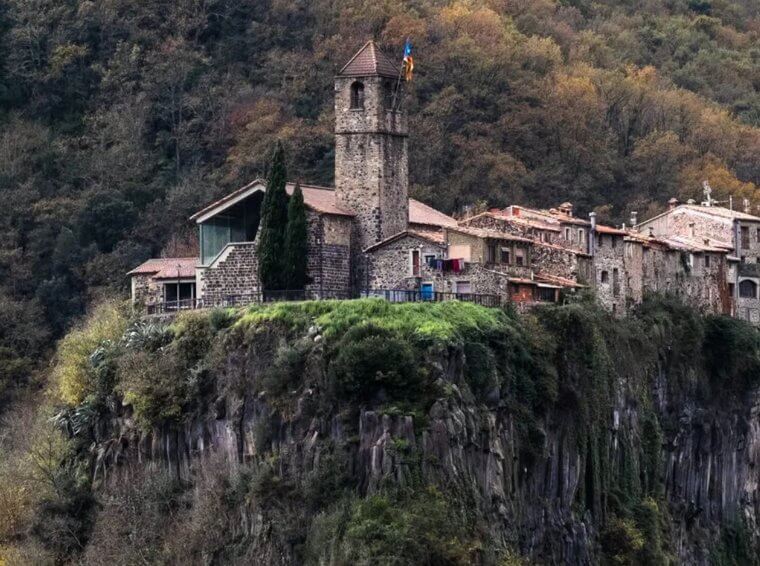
x=366, y=236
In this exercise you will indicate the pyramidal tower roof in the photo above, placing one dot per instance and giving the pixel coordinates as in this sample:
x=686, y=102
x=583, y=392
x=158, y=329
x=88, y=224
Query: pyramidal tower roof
x=369, y=61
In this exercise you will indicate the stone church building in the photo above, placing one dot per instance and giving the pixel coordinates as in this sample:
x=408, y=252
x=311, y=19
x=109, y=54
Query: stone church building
x=366, y=236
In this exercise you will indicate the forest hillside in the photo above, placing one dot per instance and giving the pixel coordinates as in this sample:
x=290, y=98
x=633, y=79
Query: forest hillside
x=119, y=118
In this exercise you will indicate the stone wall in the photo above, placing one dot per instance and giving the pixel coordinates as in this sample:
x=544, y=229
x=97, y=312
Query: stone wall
x=371, y=160
x=686, y=275
x=562, y=262
x=329, y=264
x=235, y=273
x=610, y=278
x=146, y=290
x=390, y=266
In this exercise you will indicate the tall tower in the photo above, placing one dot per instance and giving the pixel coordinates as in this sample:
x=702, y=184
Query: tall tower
x=371, y=164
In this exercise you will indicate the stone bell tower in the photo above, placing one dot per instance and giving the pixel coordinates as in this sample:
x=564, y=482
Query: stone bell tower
x=371, y=164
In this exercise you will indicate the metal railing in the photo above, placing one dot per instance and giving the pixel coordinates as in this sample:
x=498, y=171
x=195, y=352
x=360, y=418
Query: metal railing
x=423, y=296
x=390, y=295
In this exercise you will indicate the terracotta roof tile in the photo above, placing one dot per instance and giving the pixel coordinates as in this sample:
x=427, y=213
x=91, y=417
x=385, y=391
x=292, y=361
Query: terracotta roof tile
x=369, y=61
x=557, y=280
x=485, y=233
x=610, y=230
x=320, y=199
x=432, y=236
x=167, y=268
x=420, y=213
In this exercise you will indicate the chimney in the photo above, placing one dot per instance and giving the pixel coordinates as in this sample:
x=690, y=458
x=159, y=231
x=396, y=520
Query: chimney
x=651, y=231
x=515, y=211
x=634, y=220
x=592, y=233
x=566, y=208
x=691, y=201
x=747, y=206
x=672, y=203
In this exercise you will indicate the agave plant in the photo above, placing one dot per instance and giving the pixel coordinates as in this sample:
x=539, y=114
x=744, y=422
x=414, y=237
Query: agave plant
x=143, y=335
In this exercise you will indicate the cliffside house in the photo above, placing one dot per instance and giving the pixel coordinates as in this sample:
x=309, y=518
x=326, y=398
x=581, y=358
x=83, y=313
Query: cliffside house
x=366, y=236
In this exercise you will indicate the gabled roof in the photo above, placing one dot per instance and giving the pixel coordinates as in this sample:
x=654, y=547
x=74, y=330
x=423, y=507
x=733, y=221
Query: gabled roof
x=369, y=61
x=486, y=233
x=602, y=229
x=319, y=199
x=693, y=245
x=519, y=220
x=167, y=268
x=322, y=200
x=420, y=213
x=716, y=211
x=431, y=236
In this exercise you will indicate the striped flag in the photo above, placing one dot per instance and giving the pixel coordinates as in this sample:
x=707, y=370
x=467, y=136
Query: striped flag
x=408, y=62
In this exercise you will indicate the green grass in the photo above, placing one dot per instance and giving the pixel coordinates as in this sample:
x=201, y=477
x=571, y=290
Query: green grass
x=449, y=322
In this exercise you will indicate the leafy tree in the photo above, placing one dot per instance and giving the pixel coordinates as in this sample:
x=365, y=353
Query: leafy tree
x=274, y=218
x=296, y=244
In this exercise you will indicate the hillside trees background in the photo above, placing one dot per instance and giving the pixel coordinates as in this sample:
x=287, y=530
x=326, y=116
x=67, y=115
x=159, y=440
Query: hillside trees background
x=118, y=119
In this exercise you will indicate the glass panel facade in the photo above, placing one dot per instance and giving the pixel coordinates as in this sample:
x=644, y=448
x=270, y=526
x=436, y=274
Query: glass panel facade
x=236, y=224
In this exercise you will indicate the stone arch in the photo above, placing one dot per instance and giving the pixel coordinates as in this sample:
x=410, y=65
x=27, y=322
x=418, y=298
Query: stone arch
x=747, y=289
x=357, y=95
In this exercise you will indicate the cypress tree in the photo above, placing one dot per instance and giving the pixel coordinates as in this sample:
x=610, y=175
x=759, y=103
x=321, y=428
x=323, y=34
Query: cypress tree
x=274, y=217
x=296, y=245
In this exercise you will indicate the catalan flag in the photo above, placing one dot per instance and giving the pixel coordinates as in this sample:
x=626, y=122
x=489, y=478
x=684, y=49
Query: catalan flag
x=408, y=62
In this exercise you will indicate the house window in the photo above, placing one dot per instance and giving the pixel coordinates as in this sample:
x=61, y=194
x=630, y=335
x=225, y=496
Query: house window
x=519, y=257
x=567, y=234
x=357, y=96
x=615, y=282
x=613, y=241
x=547, y=294
x=598, y=240
x=429, y=259
x=415, y=263
x=707, y=260
x=604, y=277
x=745, y=237
x=505, y=256
x=748, y=289
x=463, y=288
x=581, y=235
x=490, y=253
x=179, y=295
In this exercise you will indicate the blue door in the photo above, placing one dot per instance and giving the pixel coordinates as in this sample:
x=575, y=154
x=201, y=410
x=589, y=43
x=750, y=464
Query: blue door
x=427, y=292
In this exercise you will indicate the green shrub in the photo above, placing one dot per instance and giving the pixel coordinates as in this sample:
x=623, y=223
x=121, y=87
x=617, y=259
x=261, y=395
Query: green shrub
x=622, y=541
x=417, y=528
x=158, y=387
x=193, y=334
x=732, y=354
x=73, y=370
x=287, y=370
x=735, y=546
x=373, y=361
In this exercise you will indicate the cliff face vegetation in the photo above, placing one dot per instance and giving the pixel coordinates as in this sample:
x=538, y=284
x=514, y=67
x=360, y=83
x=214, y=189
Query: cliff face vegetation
x=119, y=119
x=363, y=432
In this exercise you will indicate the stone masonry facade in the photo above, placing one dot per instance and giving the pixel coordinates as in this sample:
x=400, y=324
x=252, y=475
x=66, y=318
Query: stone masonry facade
x=364, y=234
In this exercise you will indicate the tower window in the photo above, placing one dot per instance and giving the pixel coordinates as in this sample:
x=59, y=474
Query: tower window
x=357, y=96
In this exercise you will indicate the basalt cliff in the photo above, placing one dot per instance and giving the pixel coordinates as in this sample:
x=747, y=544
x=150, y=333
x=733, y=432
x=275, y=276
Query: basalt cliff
x=361, y=432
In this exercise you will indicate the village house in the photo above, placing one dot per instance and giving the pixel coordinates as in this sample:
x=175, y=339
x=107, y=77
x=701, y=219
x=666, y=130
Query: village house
x=366, y=237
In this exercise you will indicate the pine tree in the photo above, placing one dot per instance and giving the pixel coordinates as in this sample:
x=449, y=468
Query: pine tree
x=296, y=245
x=274, y=217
